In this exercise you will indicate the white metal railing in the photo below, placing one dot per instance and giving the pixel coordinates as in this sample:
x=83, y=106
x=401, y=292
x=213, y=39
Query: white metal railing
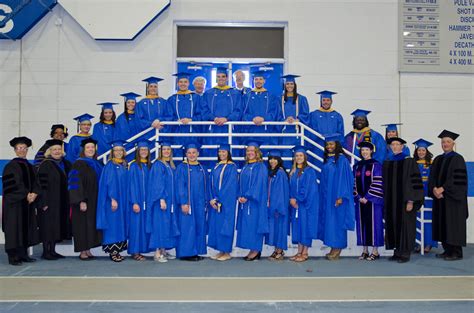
x=423, y=221
x=302, y=131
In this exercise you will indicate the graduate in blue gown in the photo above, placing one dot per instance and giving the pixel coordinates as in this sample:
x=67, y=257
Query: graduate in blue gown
x=424, y=159
x=139, y=172
x=278, y=204
x=153, y=109
x=83, y=131
x=185, y=106
x=112, y=204
x=220, y=104
x=294, y=108
x=104, y=130
x=223, y=190
x=304, y=203
x=336, y=198
x=192, y=199
x=362, y=132
x=161, y=220
x=391, y=131
x=252, y=218
x=261, y=106
x=325, y=120
x=127, y=124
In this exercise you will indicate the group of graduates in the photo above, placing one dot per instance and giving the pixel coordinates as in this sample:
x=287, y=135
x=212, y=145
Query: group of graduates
x=142, y=205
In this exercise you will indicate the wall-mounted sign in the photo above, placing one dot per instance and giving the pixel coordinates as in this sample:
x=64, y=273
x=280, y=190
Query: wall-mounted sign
x=436, y=36
x=18, y=17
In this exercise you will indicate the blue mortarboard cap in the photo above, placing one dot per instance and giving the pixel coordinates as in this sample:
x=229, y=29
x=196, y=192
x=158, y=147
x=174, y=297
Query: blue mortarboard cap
x=274, y=153
x=182, y=75
x=143, y=144
x=107, y=105
x=193, y=145
x=130, y=96
x=165, y=143
x=421, y=143
x=225, y=147
x=392, y=127
x=360, y=112
x=152, y=80
x=326, y=94
x=290, y=77
x=253, y=144
x=117, y=143
x=221, y=70
x=332, y=137
x=259, y=73
x=299, y=149
x=83, y=118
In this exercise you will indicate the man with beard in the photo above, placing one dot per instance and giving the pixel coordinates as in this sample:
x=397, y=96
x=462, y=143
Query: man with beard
x=447, y=185
x=325, y=120
x=362, y=132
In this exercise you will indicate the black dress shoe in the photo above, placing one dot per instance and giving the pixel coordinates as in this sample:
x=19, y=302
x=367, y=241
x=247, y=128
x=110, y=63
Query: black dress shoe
x=193, y=258
x=452, y=258
x=57, y=255
x=27, y=259
x=441, y=255
x=403, y=259
x=49, y=257
x=394, y=258
x=14, y=261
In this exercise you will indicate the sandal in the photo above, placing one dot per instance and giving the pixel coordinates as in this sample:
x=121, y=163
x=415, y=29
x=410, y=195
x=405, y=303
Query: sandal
x=272, y=257
x=279, y=256
x=373, y=257
x=138, y=257
x=302, y=258
x=364, y=256
x=295, y=256
x=116, y=257
x=86, y=258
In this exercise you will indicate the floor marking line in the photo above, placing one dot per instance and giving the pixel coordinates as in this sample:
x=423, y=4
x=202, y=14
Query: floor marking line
x=238, y=301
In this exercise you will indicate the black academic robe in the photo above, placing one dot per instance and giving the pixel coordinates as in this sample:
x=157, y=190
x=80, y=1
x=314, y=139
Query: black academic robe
x=402, y=183
x=450, y=212
x=19, y=221
x=54, y=222
x=84, y=187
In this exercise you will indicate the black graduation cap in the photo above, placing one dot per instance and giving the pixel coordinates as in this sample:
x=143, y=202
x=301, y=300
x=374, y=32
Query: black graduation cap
x=88, y=140
x=366, y=144
x=17, y=140
x=59, y=126
x=400, y=140
x=449, y=134
x=54, y=142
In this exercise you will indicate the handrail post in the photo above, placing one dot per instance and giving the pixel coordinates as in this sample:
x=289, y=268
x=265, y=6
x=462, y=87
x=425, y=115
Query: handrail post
x=157, y=154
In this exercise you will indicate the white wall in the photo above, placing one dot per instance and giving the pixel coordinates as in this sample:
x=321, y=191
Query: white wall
x=346, y=46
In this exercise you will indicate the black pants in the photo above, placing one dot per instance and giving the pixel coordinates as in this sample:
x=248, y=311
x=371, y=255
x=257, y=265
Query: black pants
x=452, y=250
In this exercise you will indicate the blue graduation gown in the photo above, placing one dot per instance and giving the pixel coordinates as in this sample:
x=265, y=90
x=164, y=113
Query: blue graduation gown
x=223, y=187
x=326, y=123
x=113, y=184
x=278, y=213
x=304, y=220
x=265, y=105
x=252, y=218
x=220, y=103
x=104, y=134
x=185, y=106
x=336, y=182
x=289, y=109
x=150, y=109
x=162, y=224
x=74, y=147
x=428, y=233
x=376, y=139
x=192, y=183
x=139, y=185
x=126, y=127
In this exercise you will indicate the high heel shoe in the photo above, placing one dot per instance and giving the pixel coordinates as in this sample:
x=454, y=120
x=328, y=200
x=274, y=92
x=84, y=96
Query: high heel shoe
x=335, y=255
x=256, y=257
